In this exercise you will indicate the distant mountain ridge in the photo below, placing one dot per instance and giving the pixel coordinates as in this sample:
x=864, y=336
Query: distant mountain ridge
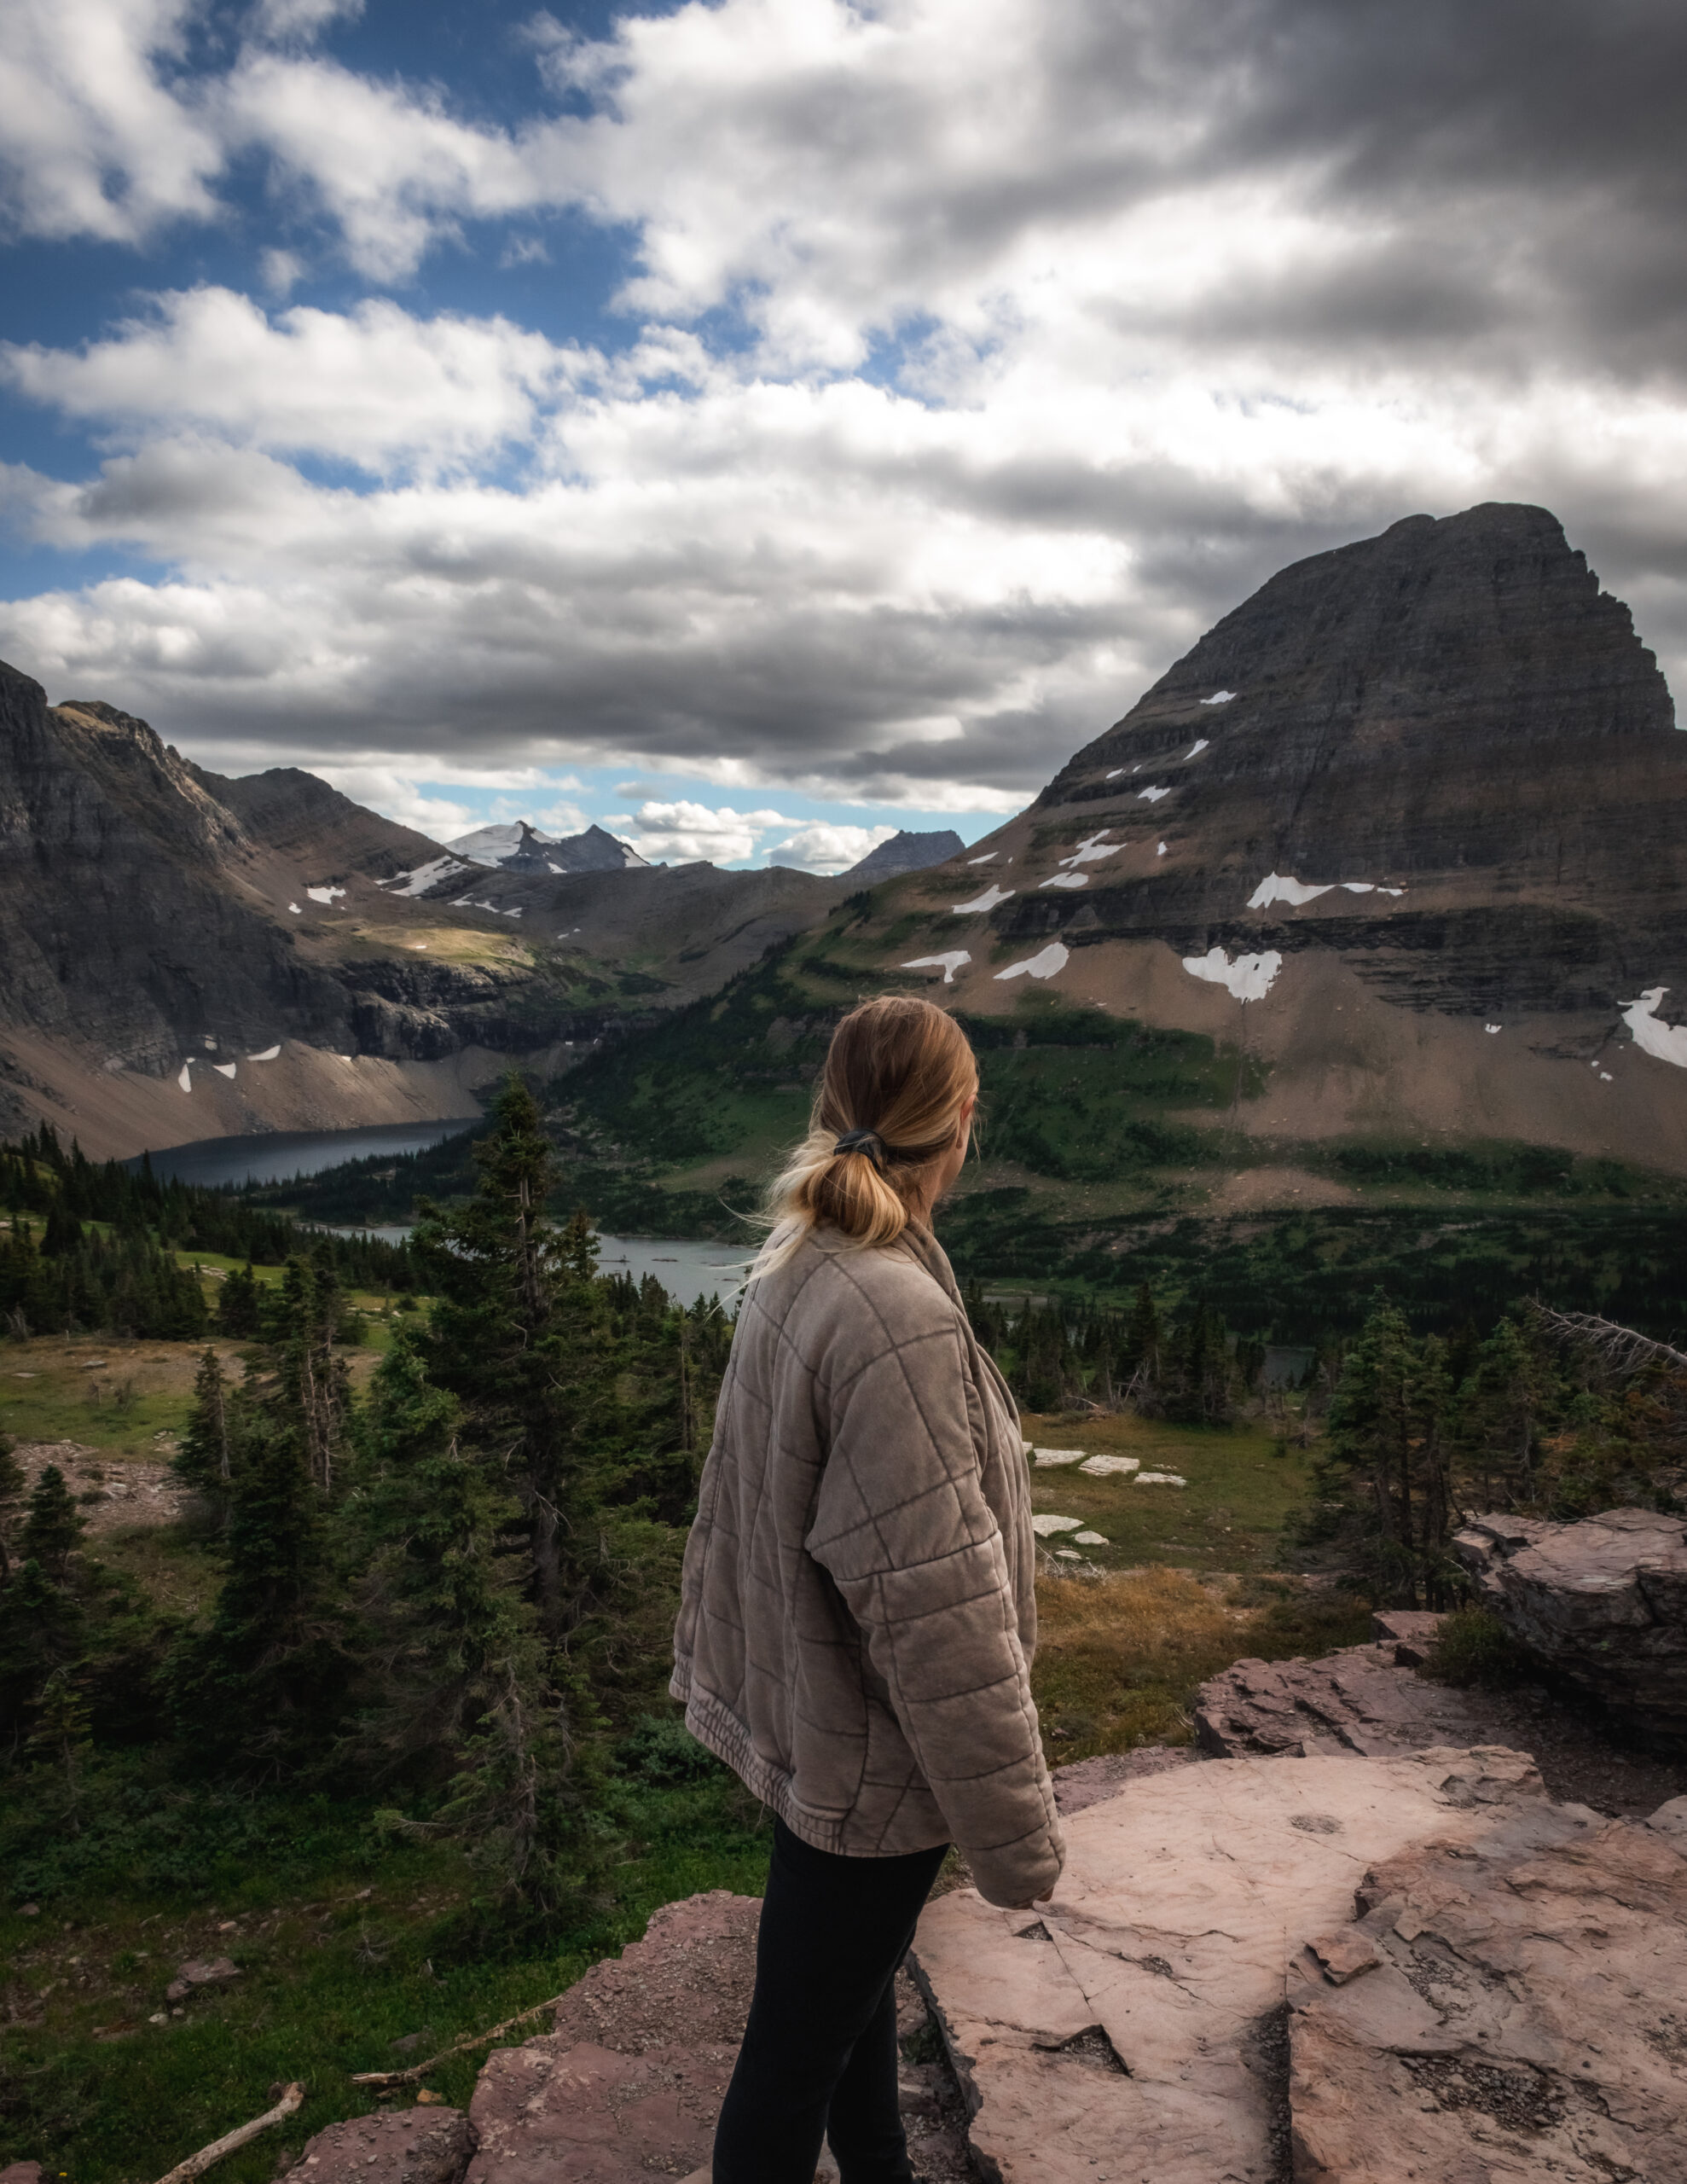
x=520, y=847
x=186, y=956
x=1381, y=887
x=904, y=852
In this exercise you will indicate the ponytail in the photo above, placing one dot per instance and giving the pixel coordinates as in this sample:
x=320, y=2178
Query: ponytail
x=891, y=1103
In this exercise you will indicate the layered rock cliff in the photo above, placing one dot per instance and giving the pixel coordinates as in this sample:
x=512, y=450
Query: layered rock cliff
x=1408, y=826
x=184, y=956
x=1454, y=710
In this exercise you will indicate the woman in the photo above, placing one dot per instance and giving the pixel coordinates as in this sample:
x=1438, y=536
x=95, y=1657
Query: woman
x=857, y=1617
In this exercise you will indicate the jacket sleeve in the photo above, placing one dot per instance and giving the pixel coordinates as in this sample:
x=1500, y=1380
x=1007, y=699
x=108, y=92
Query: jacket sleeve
x=902, y=1526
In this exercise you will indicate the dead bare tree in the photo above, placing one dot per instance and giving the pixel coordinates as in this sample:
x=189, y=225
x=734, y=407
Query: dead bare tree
x=1624, y=1349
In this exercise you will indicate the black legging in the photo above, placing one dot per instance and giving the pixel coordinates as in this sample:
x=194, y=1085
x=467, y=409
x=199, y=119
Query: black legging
x=820, y=2050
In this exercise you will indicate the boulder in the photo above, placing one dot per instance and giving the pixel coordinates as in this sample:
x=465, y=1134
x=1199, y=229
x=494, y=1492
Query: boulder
x=629, y=2082
x=1671, y=1819
x=1408, y=1632
x=417, y=2146
x=1132, y=2029
x=22, y=2172
x=1603, y=1602
x=1517, y=2008
x=1356, y=1700
x=198, y=1972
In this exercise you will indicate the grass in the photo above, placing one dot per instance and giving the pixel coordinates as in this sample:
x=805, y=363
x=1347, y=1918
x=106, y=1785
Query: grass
x=1473, y=1646
x=343, y=1949
x=1120, y=1657
x=446, y=944
x=1227, y=1519
x=121, y=1398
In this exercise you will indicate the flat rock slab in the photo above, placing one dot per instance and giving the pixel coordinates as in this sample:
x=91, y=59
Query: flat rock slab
x=1358, y=1700
x=419, y=2146
x=1084, y=1782
x=629, y=2085
x=1519, y=2011
x=1132, y=2029
x=1602, y=1601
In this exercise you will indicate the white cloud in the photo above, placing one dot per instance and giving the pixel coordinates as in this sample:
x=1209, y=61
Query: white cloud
x=366, y=385
x=288, y=20
x=685, y=833
x=93, y=140
x=823, y=846
x=1156, y=299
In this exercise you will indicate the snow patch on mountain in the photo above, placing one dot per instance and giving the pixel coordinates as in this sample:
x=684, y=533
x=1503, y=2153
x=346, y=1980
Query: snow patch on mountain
x=1043, y=965
x=949, y=964
x=424, y=876
x=1250, y=977
x=1668, y=1042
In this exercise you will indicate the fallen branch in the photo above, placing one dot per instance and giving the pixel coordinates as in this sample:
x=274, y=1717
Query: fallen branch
x=232, y=2141
x=1622, y=1347
x=460, y=2048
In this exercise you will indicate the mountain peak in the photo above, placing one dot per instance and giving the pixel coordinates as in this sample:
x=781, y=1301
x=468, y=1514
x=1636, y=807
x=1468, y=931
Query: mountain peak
x=904, y=852
x=517, y=846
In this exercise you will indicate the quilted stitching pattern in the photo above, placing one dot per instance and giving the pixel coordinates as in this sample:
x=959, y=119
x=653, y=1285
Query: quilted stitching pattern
x=858, y=1613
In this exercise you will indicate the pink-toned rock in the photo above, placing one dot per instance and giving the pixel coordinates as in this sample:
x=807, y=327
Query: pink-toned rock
x=22, y=2172
x=1526, y=2016
x=629, y=2083
x=1356, y=1700
x=1343, y=1956
x=1408, y=1632
x=1128, y=2029
x=1602, y=1601
x=198, y=1972
x=690, y=1977
x=1086, y=1782
x=417, y=2146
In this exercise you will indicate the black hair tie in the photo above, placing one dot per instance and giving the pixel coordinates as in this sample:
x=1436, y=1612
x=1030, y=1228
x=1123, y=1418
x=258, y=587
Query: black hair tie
x=862, y=1140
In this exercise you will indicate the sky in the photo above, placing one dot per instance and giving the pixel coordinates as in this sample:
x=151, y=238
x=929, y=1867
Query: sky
x=760, y=425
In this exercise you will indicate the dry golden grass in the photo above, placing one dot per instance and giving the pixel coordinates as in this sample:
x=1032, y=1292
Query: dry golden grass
x=448, y=943
x=1121, y=1656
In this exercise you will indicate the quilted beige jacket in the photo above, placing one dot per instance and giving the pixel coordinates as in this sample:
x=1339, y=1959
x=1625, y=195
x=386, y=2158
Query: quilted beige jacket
x=857, y=1617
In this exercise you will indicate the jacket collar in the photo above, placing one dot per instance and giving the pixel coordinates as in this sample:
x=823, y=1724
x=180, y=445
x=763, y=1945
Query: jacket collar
x=916, y=1242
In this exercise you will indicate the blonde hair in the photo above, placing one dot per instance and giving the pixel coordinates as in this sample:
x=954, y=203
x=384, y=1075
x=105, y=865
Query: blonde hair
x=899, y=1074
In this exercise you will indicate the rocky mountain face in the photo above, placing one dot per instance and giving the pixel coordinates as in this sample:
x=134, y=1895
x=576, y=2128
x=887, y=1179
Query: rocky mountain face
x=904, y=852
x=295, y=815
x=1453, y=718
x=187, y=956
x=127, y=896
x=1406, y=827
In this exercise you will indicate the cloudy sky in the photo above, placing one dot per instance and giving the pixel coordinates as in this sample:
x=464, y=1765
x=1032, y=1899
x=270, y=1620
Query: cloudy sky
x=762, y=425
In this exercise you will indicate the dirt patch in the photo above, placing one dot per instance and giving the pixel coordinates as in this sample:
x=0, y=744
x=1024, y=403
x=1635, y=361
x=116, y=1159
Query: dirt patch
x=113, y=1494
x=1252, y=1189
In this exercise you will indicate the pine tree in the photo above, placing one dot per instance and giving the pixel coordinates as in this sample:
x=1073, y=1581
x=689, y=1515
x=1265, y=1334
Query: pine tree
x=265, y=1683
x=316, y=1384
x=1383, y=1478
x=62, y=1738
x=12, y=1483
x=512, y=1337
x=467, y=1689
x=53, y=1526
x=41, y=1630
x=204, y=1459
x=237, y=1307
x=1504, y=1409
